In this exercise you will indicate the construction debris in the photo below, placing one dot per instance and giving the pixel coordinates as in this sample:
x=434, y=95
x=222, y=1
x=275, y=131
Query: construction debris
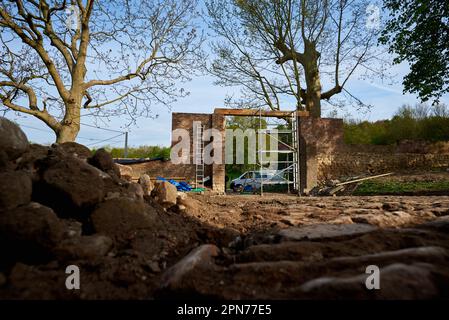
x=335, y=187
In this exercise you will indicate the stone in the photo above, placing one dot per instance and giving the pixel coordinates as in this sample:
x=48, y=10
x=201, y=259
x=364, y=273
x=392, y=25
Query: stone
x=15, y=189
x=13, y=140
x=84, y=247
x=72, y=228
x=342, y=220
x=112, y=195
x=147, y=184
x=386, y=219
x=30, y=160
x=103, y=175
x=325, y=231
x=135, y=191
x=154, y=266
x=189, y=204
x=3, y=280
x=397, y=282
x=201, y=257
x=74, y=149
x=360, y=211
x=420, y=254
x=289, y=222
x=5, y=164
x=440, y=224
x=126, y=172
x=103, y=161
x=165, y=194
x=391, y=206
x=30, y=230
x=181, y=196
x=119, y=217
x=439, y=212
x=71, y=187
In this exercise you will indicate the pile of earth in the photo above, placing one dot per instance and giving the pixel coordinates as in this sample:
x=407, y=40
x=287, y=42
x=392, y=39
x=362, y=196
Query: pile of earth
x=62, y=205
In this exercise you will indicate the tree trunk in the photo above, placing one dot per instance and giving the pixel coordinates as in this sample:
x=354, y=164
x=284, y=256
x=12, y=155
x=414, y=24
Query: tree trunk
x=71, y=124
x=67, y=133
x=313, y=82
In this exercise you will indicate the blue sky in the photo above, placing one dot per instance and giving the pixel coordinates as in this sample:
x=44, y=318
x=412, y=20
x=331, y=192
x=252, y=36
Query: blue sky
x=205, y=97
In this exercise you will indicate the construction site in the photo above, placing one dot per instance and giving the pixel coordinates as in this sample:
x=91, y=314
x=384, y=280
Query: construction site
x=201, y=151
x=135, y=236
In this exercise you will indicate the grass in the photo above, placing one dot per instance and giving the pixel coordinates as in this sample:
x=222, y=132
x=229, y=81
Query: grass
x=398, y=188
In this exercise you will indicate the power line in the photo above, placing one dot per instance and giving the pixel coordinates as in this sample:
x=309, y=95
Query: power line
x=95, y=143
x=84, y=124
x=105, y=129
x=38, y=129
x=44, y=130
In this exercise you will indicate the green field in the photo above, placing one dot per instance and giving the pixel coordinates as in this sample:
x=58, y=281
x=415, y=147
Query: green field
x=398, y=188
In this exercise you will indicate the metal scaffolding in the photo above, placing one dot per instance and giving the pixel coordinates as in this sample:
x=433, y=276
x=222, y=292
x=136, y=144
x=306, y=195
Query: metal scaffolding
x=289, y=171
x=198, y=130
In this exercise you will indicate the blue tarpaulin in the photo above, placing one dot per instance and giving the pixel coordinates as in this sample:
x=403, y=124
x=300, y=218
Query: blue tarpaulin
x=180, y=186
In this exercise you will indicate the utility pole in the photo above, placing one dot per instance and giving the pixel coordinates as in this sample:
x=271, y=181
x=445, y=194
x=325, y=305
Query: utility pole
x=126, y=144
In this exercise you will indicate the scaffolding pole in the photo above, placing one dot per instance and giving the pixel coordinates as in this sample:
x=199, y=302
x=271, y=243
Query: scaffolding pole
x=289, y=174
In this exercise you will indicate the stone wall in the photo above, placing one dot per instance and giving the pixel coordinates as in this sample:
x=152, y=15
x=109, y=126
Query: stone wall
x=164, y=169
x=353, y=160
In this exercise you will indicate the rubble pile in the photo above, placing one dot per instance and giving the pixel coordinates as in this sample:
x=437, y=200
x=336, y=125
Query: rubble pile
x=62, y=205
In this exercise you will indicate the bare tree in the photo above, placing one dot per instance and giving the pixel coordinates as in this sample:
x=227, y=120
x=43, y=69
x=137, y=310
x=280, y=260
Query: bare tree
x=108, y=57
x=279, y=50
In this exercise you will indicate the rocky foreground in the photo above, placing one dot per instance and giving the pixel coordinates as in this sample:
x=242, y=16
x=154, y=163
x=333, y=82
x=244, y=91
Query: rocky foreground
x=61, y=206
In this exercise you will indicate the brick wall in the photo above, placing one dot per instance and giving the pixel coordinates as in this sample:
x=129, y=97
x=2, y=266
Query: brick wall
x=164, y=169
x=324, y=155
x=215, y=171
x=359, y=160
x=317, y=136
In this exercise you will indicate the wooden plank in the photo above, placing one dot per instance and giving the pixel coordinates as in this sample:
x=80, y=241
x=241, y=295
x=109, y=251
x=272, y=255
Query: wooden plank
x=256, y=113
x=177, y=179
x=363, y=179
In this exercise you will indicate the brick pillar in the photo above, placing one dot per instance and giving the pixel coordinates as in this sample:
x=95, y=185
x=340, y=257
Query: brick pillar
x=307, y=155
x=219, y=170
x=317, y=136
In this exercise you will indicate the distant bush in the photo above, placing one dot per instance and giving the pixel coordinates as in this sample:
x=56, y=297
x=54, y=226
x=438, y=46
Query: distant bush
x=409, y=123
x=140, y=152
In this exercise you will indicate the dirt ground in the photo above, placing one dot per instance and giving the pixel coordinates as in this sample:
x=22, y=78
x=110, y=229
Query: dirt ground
x=272, y=258
x=253, y=259
x=252, y=213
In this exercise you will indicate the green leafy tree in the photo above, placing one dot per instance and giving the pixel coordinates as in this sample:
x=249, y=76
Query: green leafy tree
x=418, y=32
x=417, y=122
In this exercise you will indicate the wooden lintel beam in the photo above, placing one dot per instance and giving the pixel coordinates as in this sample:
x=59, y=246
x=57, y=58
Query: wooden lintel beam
x=257, y=112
